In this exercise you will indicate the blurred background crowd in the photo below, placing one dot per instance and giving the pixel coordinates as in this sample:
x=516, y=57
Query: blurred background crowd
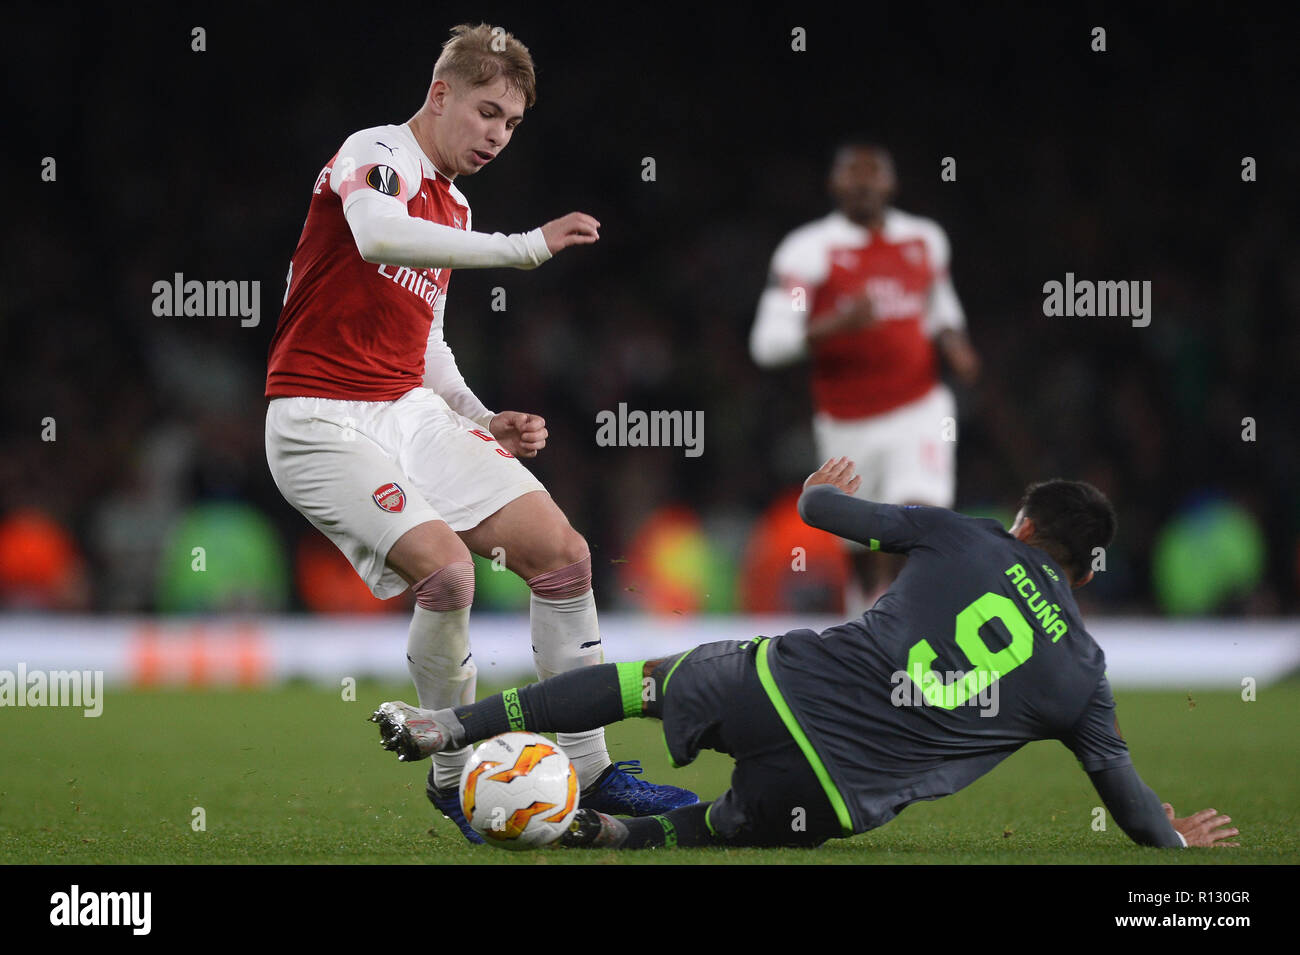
x=1117, y=165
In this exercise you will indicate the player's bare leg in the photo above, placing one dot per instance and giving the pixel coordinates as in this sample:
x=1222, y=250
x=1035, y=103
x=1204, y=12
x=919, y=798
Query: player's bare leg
x=438, y=566
x=542, y=547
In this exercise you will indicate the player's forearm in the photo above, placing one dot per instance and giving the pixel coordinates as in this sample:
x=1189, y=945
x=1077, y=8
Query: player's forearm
x=1135, y=807
x=462, y=400
x=395, y=238
x=830, y=509
x=944, y=311
x=778, y=336
x=443, y=377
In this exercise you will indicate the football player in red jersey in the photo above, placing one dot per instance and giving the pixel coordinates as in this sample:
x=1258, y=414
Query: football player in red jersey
x=372, y=432
x=865, y=294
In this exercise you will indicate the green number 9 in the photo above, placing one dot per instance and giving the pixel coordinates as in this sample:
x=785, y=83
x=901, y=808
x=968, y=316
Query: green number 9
x=987, y=666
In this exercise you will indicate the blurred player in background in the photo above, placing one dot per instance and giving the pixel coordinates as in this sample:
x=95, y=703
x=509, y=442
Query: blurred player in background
x=865, y=293
x=373, y=434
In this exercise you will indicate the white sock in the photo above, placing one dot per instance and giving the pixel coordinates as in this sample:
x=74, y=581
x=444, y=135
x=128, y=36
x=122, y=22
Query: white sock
x=438, y=658
x=559, y=630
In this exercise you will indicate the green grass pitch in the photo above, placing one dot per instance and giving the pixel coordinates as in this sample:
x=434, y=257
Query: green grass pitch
x=295, y=775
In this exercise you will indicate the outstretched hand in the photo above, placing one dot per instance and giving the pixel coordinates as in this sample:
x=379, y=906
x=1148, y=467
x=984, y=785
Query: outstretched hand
x=837, y=472
x=577, y=228
x=523, y=435
x=1203, y=828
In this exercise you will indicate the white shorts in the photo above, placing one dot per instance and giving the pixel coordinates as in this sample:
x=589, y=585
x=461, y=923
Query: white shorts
x=904, y=456
x=366, y=472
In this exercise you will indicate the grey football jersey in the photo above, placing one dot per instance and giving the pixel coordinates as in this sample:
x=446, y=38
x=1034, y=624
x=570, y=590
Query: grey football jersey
x=977, y=649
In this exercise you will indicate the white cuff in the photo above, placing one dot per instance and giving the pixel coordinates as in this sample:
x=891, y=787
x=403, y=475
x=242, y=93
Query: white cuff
x=537, y=246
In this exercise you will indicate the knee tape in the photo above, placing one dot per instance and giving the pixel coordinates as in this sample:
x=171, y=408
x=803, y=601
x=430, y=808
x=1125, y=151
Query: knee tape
x=571, y=581
x=448, y=588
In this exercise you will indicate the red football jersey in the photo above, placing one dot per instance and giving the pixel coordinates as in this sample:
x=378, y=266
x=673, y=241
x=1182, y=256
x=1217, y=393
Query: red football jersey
x=349, y=328
x=903, y=269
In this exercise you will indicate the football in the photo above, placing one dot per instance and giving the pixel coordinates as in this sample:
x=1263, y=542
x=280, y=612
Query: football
x=519, y=791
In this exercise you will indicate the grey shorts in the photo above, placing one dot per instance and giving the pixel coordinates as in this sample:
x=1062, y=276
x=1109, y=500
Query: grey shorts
x=712, y=699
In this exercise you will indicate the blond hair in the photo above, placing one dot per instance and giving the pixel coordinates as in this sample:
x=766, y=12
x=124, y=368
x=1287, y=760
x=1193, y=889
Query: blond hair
x=478, y=55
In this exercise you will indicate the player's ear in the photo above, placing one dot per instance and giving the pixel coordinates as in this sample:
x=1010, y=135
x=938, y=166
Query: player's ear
x=1023, y=528
x=1086, y=578
x=437, y=99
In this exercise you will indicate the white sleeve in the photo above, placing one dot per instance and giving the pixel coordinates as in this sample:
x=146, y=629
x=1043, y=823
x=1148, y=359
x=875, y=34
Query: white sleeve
x=443, y=377
x=385, y=233
x=780, y=332
x=943, y=309
x=779, y=335
x=375, y=184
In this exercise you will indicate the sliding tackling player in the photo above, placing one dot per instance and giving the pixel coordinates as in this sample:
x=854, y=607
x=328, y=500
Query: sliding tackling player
x=976, y=650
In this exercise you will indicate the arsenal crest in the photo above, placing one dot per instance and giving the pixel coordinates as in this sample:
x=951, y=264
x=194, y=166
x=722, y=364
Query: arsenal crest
x=391, y=498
